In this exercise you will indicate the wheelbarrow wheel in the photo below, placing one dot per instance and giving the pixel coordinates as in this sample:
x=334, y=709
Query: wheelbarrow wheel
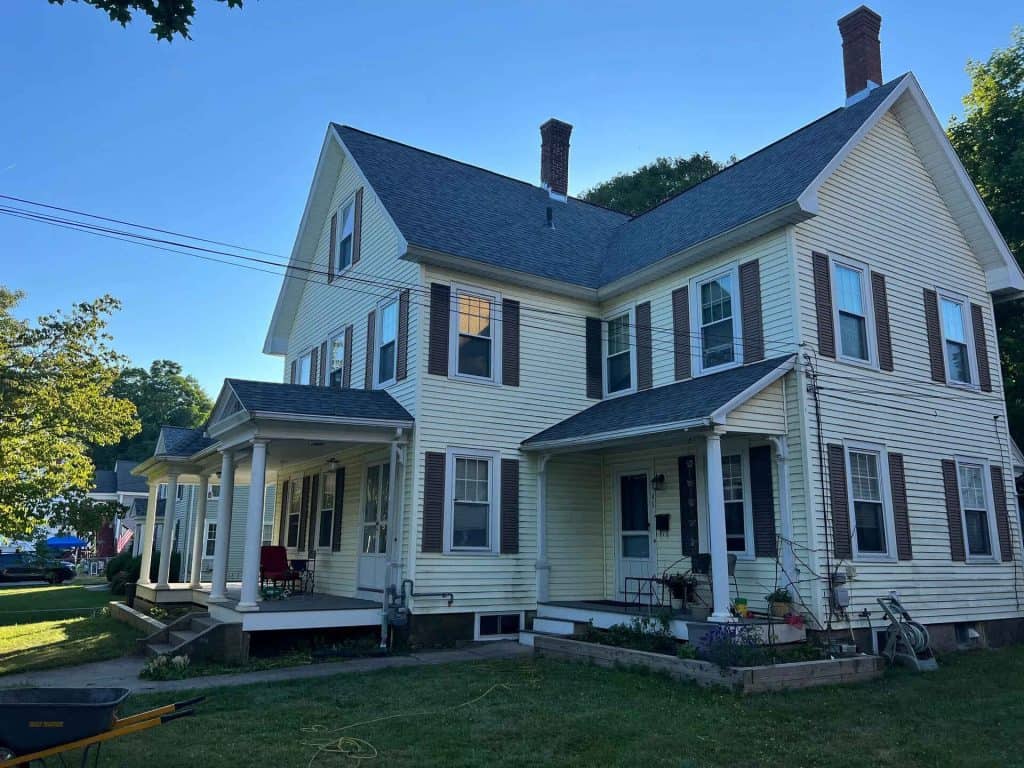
x=5, y=753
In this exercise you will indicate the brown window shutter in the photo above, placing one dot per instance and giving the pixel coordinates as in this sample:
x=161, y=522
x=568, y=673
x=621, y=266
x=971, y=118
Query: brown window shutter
x=842, y=545
x=510, y=342
x=762, y=501
x=282, y=522
x=981, y=348
x=883, y=335
x=339, y=505
x=1002, y=514
x=953, y=515
x=433, y=501
x=681, y=331
x=314, y=513
x=510, y=506
x=900, y=510
x=323, y=365
x=346, y=371
x=371, y=353
x=440, y=322
x=357, y=227
x=332, y=247
x=823, y=305
x=931, y=322
x=644, y=361
x=293, y=374
x=402, y=351
x=314, y=366
x=595, y=385
x=688, y=525
x=303, y=511
x=751, y=317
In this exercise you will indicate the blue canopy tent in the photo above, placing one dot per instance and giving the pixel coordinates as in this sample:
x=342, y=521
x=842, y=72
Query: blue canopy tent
x=66, y=542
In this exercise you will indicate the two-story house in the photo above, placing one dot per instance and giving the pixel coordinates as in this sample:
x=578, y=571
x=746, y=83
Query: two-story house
x=506, y=407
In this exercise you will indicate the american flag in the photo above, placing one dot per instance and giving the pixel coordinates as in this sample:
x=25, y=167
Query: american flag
x=124, y=538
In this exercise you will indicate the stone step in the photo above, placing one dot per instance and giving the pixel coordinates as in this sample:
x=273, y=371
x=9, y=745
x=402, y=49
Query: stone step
x=553, y=626
x=182, y=636
x=158, y=649
x=201, y=622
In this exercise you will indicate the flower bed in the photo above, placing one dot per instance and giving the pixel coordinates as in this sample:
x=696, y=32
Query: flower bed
x=743, y=679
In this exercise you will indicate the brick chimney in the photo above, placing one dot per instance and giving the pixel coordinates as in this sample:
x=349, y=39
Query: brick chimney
x=862, y=53
x=554, y=157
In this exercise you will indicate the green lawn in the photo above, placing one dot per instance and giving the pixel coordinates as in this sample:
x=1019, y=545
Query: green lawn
x=970, y=713
x=44, y=627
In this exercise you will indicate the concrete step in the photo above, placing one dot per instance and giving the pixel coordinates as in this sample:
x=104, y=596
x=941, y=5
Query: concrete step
x=526, y=637
x=182, y=636
x=201, y=622
x=553, y=626
x=158, y=649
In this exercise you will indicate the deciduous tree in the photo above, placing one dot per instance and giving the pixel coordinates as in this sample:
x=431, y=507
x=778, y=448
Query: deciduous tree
x=644, y=188
x=169, y=17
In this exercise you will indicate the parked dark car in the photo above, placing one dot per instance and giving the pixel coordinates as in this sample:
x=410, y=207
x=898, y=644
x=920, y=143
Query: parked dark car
x=20, y=566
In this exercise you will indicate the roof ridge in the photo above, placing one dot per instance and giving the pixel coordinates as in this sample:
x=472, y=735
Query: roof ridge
x=504, y=176
x=756, y=152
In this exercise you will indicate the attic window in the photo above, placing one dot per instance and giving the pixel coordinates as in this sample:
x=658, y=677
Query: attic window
x=346, y=230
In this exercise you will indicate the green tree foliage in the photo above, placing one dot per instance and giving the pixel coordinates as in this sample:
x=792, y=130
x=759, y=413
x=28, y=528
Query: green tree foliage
x=55, y=401
x=162, y=395
x=990, y=142
x=644, y=188
x=169, y=17
x=76, y=512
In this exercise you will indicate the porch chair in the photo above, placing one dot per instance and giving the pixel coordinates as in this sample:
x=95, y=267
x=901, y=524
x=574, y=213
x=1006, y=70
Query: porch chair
x=274, y=567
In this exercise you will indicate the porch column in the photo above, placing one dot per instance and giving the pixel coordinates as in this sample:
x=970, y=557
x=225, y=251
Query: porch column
x=167, y=541
x=148, y=529
x=543, y=566
x=716, y=529
x=199, y=537
x=254, y=529
x=789, y=577
x=222, y=540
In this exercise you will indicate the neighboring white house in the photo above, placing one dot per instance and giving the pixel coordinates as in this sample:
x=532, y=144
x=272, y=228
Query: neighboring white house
x=121, y=486
x=502, y=401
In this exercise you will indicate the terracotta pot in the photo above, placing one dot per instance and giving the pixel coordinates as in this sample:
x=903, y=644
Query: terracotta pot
x=781, y=610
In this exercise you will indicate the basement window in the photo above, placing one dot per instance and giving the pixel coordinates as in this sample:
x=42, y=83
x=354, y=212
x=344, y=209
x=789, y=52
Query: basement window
x=498, y=626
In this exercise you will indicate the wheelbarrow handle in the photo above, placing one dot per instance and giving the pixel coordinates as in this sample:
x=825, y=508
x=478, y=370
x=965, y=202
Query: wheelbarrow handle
x=189, y=702
x=175, y=715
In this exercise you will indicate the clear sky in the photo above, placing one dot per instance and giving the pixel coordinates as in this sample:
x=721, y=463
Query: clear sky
x=219, y=136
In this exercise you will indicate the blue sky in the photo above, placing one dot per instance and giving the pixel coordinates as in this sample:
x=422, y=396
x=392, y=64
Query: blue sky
x=218, y=136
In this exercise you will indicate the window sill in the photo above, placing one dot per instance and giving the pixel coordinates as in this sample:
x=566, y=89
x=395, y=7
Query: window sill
x=717, y=369
x=474, y=379
x=385, y=384
x=961, y=385
x=982, y=560
x=620, y=393
x=867, y=365
x=470, y=553
x=874, y=557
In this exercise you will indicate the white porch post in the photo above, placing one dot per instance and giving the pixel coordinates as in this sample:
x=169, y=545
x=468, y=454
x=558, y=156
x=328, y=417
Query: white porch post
x=254, y=529
x=148, y=529
x=785, y=513
x=200, y=532
x=716, y=529
x=222, y=541
x=543, y=566
x=167, y=541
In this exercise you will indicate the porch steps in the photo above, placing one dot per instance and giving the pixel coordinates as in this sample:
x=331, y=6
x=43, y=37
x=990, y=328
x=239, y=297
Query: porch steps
x=550, y=626
x=179, y=637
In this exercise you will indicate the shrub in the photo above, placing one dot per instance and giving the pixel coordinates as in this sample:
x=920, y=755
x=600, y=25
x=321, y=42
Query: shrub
x=643, y=633
x=118, y=563
x=165, y=668
x=731, y=645
x=686, y=651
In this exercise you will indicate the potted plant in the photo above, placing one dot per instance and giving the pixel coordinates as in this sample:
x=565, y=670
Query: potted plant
x=680, y=586
x=780, y=602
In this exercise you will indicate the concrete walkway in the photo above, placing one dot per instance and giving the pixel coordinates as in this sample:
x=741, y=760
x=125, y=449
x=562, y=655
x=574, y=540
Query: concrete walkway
x=124, y=673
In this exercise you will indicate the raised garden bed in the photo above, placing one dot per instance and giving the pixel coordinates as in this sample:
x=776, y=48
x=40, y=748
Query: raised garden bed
x=774, y=677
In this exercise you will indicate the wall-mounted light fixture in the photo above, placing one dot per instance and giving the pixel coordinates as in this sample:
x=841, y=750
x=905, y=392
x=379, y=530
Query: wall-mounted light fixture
x=658, y=482
x=332, y=463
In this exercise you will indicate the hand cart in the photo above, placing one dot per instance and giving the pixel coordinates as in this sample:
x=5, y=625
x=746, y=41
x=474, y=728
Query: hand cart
x=39, y=723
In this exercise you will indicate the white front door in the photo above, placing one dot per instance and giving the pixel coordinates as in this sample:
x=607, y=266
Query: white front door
x=633, y=530
x=373, y=559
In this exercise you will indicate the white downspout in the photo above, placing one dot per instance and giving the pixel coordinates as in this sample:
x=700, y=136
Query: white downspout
x=543, y=566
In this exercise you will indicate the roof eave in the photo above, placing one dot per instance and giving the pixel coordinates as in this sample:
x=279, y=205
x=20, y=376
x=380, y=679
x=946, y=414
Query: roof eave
x=602, y=439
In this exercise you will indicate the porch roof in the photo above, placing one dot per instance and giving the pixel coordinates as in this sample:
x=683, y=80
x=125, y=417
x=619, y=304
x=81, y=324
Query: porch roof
x=695, y=402
x=304, y=400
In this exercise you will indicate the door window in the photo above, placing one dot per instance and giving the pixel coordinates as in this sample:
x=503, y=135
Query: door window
x=636, y=542
x=375, y=510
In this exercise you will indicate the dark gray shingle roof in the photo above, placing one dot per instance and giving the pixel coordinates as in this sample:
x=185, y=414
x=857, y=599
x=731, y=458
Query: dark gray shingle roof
x=374, y=404
x=692, y=399
x=182, y=441
x=449, y=206
x=104, y=481
x=126, y=481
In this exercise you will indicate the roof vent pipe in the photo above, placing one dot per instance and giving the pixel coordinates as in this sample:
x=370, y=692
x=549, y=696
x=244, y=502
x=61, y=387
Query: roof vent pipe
x=862, y=53
x=551, y=218
x=554, y=158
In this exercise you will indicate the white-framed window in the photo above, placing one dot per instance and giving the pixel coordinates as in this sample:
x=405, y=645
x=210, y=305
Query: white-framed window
x=345, y=235
x=619, y=356
x=327, y=506
x=976, y=508
x=267, y=537
x=475, y=338
x=387, y=342
x=739, y=522
x=872, y=527
x=498, y=626
x=181, y=492
x=957, y=339
x=715, y=320
x=471, y=507
x=336, y=351
x=853, y=317
x=212, y=492
x=294, y=502
x=303, y=369
x=210, y=544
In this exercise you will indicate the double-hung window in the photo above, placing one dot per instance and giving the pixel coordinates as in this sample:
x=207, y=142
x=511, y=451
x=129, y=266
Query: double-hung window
x=872, y=526
x=210, y=544
x=472, y=507
x=715, y=320
x=303, y=368
x=852, y=311
x=738, y=523
x=618, y=353
x=346, y=233
x=294, y=502
x=475, y=341
x=956, y=339
x=337, y=352
x=976, y=509
x=387, y=344
x=327, y=504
